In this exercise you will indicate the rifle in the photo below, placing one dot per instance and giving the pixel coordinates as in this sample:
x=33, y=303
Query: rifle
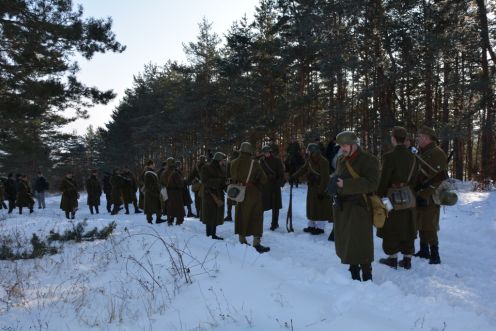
x=289, y=216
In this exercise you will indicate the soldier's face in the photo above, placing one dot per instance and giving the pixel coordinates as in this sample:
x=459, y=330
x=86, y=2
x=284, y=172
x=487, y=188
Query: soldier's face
x=222, y=163
x=347, y=149
x=424, y=140
x=267, y=154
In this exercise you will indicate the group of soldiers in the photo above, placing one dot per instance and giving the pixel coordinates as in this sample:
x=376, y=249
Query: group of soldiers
x=341, y=179
x=18, y=193
x=359, y=174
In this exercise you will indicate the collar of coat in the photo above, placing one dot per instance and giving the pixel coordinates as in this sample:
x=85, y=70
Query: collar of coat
x=428, y=147
x=353, y=156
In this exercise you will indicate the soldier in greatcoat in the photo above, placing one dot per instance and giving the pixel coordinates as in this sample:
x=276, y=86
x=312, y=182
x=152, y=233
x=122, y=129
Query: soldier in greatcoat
x=249, y=213
x=353, y=221
x=399, y=170
x=271, y=190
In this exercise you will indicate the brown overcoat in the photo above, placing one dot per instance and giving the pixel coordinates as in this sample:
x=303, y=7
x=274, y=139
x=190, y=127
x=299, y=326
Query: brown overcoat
x=352, y=216
x=249, y=213
x=213, y=178
x=271, y=190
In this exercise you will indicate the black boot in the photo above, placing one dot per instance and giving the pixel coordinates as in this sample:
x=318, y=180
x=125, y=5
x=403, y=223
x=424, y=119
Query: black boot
x=317, y=231
x=406, y=263
x=20, y=210
x=309, y=229
x=261, y=249
x=214, y=233
x=423, y=252
x=190, y=213
x=91, y=210
x=355, y=272
x=126, y=206
x=73, y=215
x=149, y=219
x=67, y=215
x=136, y=209
x=275, y=219
x=331, y=235
x=228, y=218
x=170, y=221
x=366, y=272
x=390, y=262
x=96, y=209
x=159, y=219
x=435, y=258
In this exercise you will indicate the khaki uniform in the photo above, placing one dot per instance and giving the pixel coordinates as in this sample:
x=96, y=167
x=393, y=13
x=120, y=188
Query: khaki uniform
x=24, y=196
x=428, y=216
x=352, y=216
x=249, y=213
x=151, y=193
x=271, y=191
x=70, y=195
x=318, y=201
x=400, y=230
x=94, y=190
x=213, y=178
x=174, y=183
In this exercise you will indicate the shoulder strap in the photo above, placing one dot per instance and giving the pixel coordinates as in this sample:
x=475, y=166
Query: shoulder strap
x=268, y=167
x=249, y=172
x=351, y=170
x=435, y=171
x=311, y=168
x=411, y=170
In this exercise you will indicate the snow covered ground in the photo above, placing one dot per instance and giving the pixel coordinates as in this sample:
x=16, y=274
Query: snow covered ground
x=155, y=277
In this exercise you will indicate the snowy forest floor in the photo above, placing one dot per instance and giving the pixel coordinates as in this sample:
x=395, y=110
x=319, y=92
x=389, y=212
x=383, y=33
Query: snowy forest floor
x=155, y=277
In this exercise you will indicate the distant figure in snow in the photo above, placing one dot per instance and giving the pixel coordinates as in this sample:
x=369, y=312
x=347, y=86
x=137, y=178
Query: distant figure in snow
x=70, y=196
x=40, y=187
x=94, y=190
x=24, y=194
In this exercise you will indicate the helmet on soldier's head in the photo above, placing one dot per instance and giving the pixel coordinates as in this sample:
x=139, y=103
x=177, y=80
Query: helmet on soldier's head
x=267, y=149
x=399, y=132
x=313, y=148
x=347, y=138
x=171, y=162
x=428, y=131
x=219, y=156
x=246, y=147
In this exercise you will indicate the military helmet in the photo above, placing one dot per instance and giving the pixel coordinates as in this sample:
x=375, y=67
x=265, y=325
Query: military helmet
x=267, y=149
x=171, y=162
x=428, y=131
x=347, y=138
x=246, y=147
x=219, y=156
x=399, y=132
x=313, y=148
x=448, y=198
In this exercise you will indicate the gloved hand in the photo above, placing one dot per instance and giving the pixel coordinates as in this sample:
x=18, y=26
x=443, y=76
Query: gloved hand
x=422, y=202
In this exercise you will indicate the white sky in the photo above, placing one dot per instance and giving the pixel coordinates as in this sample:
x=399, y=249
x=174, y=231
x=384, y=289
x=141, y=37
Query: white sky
x=153, y=31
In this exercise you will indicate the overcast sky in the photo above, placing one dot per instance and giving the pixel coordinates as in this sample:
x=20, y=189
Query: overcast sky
x=153, y=31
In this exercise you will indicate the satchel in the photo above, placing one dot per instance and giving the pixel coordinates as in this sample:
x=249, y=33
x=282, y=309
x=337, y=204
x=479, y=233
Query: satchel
x=236, y=192
x=402, y=196
x=379, y=210
x=444, y=194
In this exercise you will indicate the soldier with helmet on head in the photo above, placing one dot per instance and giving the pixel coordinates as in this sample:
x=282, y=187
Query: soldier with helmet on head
x=433, y=171
x=249, y=213
x=213, y=177
x=151, y=193
x=172, y=180
x=316, y=169
x=356, y=177
x=398, y=177
x=271, y=190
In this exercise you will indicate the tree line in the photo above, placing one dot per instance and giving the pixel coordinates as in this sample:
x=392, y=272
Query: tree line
x=302, y=69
